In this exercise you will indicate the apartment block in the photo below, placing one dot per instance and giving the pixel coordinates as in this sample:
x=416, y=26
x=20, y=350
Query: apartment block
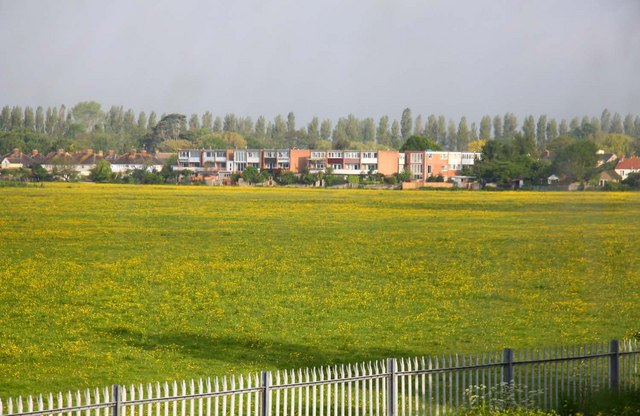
x=422, y=164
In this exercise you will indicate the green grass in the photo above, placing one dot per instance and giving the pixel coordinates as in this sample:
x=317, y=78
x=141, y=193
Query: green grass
x=107, y=283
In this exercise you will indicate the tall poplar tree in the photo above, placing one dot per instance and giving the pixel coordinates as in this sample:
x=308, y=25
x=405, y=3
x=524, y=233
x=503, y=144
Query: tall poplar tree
x=485, y=128
x=142, y=121
x=152, y=121
x=313, y=133
x=442, y=131
x=529, y=128
x=574, y=123
x=605, y=121
x=432, y=127
x=541, y=132
x=16, y=117
x=384, y=138
x=260, y=129
x=616, y=124
x=463, y=135
x=509, y=125
x=217, y=125
x=207, y=120
x=629, y=128
x=473, y=132
x=230, y=123
x=194, y=122
x=325, y=129
x=452, y=135
x=29, y=118
x=368, y=130
x=497, y=127
x=418, y=126
x=563, y=129
x=5, y=118
x=291, y=130
x=40, y=119
x=552, y=129
x=406, y=124
x=395, y=134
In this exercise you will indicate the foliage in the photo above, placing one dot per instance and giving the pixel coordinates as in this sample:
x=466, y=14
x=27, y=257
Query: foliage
x=405, y=175
x=175, y=145
x=632, y=180
x=251, y=174
x=501, y=397
x=38, y=173
x=605, y=402
x=101, y=172
x=420, y=143
x=576, y=159
x=286, y=178
x=437, y=178
x=476, y=145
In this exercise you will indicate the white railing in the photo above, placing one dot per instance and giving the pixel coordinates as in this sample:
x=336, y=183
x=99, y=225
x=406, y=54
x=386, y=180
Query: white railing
x=541, y=378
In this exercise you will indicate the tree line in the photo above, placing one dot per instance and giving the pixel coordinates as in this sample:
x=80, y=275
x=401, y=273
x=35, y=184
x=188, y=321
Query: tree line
x=87, y=125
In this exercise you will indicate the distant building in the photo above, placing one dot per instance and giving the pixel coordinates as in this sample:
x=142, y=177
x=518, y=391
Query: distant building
x=423, y=164
x=627, y=166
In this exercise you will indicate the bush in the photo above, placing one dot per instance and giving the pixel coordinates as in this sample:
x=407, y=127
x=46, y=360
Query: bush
x=286, y=178
x=391, y=180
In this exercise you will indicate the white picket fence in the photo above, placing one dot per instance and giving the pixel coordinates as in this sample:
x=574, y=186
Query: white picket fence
x=434, y=386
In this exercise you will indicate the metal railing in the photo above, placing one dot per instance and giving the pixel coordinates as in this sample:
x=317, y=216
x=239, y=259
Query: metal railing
x=541, y=378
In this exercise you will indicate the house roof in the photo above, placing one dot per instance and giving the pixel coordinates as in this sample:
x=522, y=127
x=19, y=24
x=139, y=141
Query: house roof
x=630, y=163
x=17, y=157
x=609, y=175
x=136, y=158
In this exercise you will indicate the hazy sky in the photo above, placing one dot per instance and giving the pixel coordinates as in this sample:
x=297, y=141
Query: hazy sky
x=327, y=58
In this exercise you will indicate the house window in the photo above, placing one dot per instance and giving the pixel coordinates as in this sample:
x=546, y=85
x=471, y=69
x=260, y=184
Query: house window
x=336, y=165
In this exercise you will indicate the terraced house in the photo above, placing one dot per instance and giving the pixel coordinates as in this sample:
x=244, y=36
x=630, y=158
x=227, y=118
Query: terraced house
x=80, y=163
x=422, y=164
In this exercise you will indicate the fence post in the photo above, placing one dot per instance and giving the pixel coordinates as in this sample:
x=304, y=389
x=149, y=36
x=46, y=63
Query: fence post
x=265, y=409
x=117, y=400
x=614, y=365
x=392, y=387
x=507, y=366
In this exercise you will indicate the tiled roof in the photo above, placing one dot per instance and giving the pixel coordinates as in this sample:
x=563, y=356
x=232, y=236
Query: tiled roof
x=630, y=163
x=136, y=158
x=609, y=175
x=18, y=157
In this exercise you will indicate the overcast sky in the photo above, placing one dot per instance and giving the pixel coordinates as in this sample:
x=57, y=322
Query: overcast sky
x=327, y=58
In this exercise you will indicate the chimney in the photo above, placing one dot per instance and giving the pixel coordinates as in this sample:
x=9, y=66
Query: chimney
x=34, y=152
x=16, y=151
x=100, y=153
x=60, y=151
x=144, y=153
x=89, y=152
x=111, y=152
x=132, y=153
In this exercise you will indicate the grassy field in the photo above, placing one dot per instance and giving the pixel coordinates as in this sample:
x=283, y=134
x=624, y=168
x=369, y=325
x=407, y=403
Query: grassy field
x=107, y=283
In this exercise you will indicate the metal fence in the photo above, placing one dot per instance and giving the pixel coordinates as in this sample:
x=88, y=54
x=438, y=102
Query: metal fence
x=436, y=385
